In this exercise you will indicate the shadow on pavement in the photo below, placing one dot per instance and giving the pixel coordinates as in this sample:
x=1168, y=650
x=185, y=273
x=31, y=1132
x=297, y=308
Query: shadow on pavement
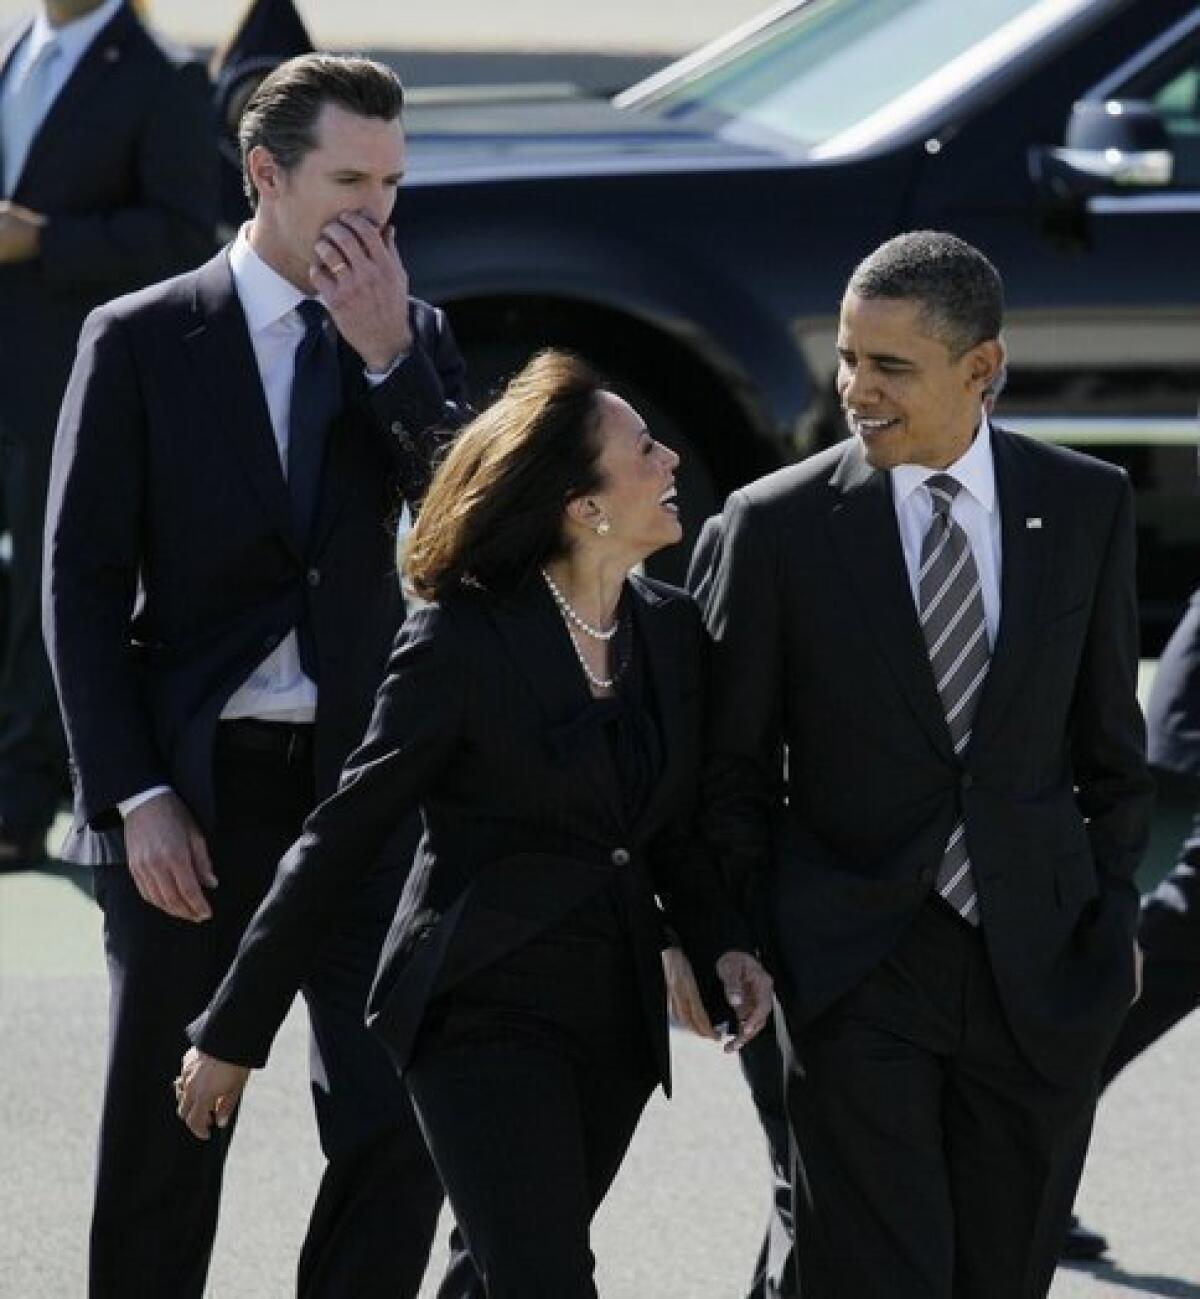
x=1168, y=1287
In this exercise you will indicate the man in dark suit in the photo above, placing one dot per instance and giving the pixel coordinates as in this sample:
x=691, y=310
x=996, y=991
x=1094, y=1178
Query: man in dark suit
x=937, y=620
x=220, y=600
x=1169, y=932
x=109, y=182
x=270, y=33
x=774, y=1275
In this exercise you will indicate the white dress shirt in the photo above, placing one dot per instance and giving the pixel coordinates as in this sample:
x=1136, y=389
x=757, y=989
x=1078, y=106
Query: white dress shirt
x=74, y=39
x=278, y=689
x=975, y=509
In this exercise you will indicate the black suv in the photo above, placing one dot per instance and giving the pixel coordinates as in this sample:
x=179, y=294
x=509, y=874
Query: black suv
x=692, y=235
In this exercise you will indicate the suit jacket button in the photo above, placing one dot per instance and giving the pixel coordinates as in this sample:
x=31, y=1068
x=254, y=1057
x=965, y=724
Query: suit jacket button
x=966, y=780
x=620, y=857
x=270, y=642
x=313, y=577
x=928, y=875
x=399, y=429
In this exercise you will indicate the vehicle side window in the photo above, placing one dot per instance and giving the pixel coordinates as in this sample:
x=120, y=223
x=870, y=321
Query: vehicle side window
x=1173, y=86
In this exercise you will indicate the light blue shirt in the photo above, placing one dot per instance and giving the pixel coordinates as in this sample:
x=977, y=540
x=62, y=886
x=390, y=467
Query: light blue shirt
x=74, y=40
x=975, y=509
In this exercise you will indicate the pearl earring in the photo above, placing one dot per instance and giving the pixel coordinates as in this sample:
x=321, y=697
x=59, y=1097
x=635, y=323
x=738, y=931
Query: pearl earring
x=603, y=528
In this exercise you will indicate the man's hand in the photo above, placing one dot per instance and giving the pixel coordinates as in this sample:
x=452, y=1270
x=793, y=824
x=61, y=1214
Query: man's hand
x=207, y=1091
x=20, y=232
x=168, y=857
x=359, y=275
x=748, y=990
x=683, y=994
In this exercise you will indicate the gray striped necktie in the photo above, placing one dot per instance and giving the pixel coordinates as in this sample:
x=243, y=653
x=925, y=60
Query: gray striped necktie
x=952, y=620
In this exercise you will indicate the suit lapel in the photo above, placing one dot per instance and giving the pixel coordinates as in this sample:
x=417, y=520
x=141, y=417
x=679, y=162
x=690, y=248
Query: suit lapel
x=104, y=54
x=540, y=646
x=1027, y=539
x=867, y=540
x=659, y=636
x=219, y=342
x=9, y=46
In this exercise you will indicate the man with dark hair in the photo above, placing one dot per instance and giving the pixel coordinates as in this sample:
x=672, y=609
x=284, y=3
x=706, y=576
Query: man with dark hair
x=220, y=599
x=936, y=620
x=107, y=181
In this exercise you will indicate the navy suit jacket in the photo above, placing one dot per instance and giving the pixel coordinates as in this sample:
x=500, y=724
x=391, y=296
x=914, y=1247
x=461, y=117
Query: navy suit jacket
x=1173, y=713
x=124, y=168
x=1170, y=929
x=172, y=567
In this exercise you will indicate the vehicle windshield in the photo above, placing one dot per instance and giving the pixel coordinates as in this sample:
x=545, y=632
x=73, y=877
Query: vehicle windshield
x=825, y=68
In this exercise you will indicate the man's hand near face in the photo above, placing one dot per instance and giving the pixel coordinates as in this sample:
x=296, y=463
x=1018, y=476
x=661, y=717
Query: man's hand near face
x=20, y=232
x=358, y=272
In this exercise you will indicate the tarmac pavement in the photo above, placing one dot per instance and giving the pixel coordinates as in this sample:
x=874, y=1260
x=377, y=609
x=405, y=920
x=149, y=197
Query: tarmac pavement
x=667, y=27
x=685, y=1216
x=682, y=1222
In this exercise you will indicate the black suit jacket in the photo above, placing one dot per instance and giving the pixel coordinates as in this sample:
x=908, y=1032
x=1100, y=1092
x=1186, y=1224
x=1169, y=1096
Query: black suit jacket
x=1170, y=929
x=817, y=647
x=1173, y=712
x=172, y=568
x=523, y=818
x=125, y=169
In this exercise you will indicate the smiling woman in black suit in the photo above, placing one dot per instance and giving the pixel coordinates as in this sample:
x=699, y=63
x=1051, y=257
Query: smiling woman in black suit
x=544, y=710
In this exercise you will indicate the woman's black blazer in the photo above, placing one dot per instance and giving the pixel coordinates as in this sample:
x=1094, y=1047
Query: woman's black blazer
x=477, y=722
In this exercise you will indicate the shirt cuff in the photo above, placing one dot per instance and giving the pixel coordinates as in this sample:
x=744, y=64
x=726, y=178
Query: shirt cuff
x=127, y=805
x=375, y=377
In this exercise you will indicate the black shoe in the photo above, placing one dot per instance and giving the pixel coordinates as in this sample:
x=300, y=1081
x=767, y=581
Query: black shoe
x=23, y=850
x=1082, y=1245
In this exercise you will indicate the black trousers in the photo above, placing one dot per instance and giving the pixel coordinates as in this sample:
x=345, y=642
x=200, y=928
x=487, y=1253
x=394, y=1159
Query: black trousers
x=529, y=1083
x=932, y=1160
x=33, y=750
x=157, y=1187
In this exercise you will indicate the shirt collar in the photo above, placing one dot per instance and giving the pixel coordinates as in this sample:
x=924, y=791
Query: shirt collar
x=974, y=471
x=266, y=297
x=73, y=38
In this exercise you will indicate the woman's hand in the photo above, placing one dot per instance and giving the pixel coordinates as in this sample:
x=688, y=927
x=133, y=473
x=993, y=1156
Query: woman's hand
x=683, y=994
x=748, y=990
x=207, y=1091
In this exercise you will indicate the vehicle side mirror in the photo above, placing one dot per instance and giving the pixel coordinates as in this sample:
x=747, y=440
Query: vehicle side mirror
x=1111, y=145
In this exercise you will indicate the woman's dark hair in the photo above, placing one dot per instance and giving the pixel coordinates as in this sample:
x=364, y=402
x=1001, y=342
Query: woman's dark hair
x=282, y=113
x=495, y=507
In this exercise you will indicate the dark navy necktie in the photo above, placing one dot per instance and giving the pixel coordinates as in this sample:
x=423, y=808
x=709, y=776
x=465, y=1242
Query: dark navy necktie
x=316, y=401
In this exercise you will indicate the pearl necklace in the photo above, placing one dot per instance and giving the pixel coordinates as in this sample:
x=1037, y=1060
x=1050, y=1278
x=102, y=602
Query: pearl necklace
x=568, y=612
x=600, y=683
